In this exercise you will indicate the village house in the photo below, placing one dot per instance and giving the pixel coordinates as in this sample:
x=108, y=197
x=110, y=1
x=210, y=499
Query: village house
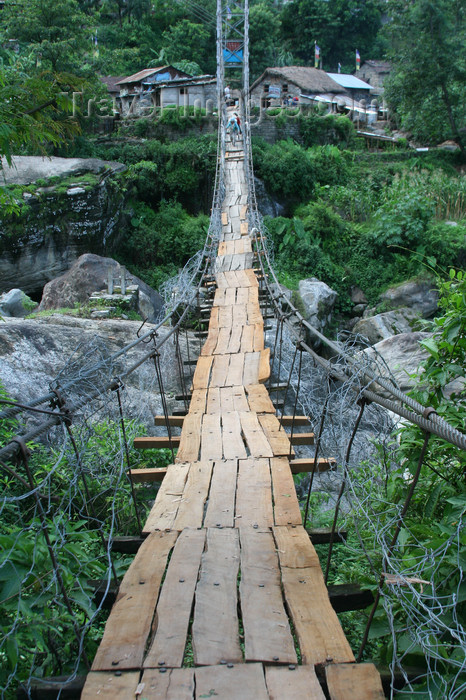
x=304, y=83
x=161, y=87
x=375, y=73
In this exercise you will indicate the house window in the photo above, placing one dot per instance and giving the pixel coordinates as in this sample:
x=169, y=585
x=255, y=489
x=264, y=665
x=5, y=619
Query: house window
x=285, y=87
x=266, y=87
x=183, y=91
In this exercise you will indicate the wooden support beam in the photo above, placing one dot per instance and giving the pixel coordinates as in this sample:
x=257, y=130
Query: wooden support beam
x=301, y=438
x=306, y=464
x=126, y=544
x=349, y=596
x=288, y=421
x=323, y=535
x=52, y=688
x=148, y=475
x=176, y=421
x=156, y=443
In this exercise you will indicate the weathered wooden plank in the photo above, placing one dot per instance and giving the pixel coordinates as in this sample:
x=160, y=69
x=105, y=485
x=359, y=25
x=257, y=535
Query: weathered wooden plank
x=202, y=372
x=264, y=365
x=224, y=218
x=240, y=403
x=219, y=297
x=190, y=439
x=223, y=342
x=247, y=339
x=234, y=345
x=215, y=625
x=211, y=342
x=254, y=493
x=316, y=624
x=225, y=316
x=191, y=509
x=172, y=684
x=214, y=317
x=235, y=370
x=219, y=370
x=256, y=441
x=239, y=314
x=254, y=313
x=213, y=400
x=360, y=681
x=221, y=505
x=156, y=442
x=276, y=436
x=244, y=228
x=267, y=633
x=198, y=401
x=259, y=336
x=226, y=399
x=232, y=440
x=175, y=602
x=252, y=279
x=108, y=686
x=302, y=438
x=251, y=368
x=163, y=513
x=258, y=399
x=242, y=295
x=128, y=626
x=242, y=682
x=294, y=684
x=240, y=262
x=286, y=509
x=211, y=437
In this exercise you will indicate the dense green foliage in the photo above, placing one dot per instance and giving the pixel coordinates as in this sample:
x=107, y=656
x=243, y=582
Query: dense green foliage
x=370, y=221
x=427, y=89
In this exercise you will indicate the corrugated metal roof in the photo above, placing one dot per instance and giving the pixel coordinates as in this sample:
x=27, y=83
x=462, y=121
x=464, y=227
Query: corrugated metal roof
x=137, y=77
x=349, y=81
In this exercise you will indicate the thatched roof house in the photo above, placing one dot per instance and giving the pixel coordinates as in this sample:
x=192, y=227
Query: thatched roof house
x=292, y=81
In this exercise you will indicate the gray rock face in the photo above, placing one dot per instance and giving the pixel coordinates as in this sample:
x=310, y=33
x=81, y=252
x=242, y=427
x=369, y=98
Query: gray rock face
x=266, y=205
x=35, y=351
x=419, y=296
x=15, y=303
x=27, y=169
x=318, y=299
x=402, y=354
x=382, y=326
x=89, y=274
x=58, y=224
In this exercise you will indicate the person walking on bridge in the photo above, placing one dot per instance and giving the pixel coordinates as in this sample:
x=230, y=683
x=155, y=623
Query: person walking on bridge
x=233, y=128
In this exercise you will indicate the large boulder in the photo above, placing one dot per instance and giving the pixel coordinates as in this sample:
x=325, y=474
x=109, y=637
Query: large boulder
x=90, y=274
x=15, y=303
x=421, y=296
x=318, y=300
x=399, y=356
x=382, y=326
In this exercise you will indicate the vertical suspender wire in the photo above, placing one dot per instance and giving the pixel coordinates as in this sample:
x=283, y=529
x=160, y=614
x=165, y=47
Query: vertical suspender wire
x=393, y=542
x=288, y=386
x=88, y=496
x=343, y=485
x=274, y=351
x=179, y=359
x=316, y=453
x=300, y=365
x=158, y=373
x=56, y=568
x=128, y=461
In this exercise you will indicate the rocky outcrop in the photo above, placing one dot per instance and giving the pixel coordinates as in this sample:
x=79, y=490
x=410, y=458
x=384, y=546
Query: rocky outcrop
x=35, y=351
x=59, y=221
x=318, y=300
x=382, y=326
x=399, y=356
x=421, y=296
x=90, y=274
x=16, y=303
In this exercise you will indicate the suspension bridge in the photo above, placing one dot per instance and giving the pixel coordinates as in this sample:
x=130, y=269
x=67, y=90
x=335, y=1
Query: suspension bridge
x=225, y=596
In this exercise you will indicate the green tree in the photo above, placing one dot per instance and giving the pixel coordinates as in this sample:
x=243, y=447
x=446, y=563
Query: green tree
x=427, y=90
x=264, y=28
x=190, y=41
x=58, y=32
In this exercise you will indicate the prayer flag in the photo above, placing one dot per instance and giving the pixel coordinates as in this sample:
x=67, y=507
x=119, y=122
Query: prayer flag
x=316, y=56
x=358, y=60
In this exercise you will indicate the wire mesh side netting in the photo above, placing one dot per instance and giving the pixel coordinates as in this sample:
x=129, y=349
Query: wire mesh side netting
x=64, y=501
x=418, y=630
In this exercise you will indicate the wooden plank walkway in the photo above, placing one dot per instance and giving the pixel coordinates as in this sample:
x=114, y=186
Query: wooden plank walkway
x=226, y=597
